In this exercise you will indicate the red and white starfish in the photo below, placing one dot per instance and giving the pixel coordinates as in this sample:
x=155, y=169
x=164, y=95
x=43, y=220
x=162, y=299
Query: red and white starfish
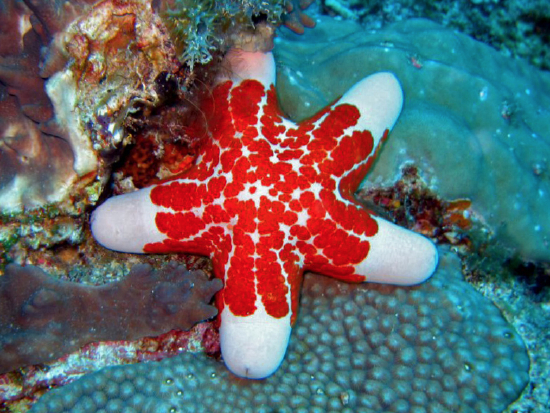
x=269, y=199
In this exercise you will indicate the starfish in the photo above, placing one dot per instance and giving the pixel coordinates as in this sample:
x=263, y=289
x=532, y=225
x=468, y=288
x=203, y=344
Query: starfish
x=268, y=199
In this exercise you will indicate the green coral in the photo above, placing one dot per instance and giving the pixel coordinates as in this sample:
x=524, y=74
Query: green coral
x=199, y=27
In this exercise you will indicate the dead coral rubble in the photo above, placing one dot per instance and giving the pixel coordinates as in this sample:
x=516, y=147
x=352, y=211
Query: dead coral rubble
x=42, y=318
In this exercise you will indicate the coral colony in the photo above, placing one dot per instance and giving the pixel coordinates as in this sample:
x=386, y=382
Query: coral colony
x=269, y=199
x=355, y=348
x=181, y=194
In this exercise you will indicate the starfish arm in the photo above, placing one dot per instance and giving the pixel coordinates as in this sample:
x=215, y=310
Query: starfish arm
x=150, y=220
x=259, y=302
x=398, y=256
x=239, y=65
x=126, y=223
x=379, y=99
x=253, y=346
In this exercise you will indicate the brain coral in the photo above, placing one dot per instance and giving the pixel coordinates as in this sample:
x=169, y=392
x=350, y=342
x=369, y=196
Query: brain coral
x=440, y=346
x=474, y=122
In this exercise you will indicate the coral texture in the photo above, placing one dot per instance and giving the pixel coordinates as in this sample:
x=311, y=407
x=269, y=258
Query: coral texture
x=474, y=122
x=201, y=27
x=95, y=91
x=36, y=168
x=26, y=385
x=42, y=318
x=35, y=164
x=66, y=71
x=359, y=348
x=37, y=155
x=516, y=28
x=269, y=199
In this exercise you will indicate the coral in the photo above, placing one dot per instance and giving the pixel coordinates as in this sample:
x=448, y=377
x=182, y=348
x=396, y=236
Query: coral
x=200, y=27
x=42, y=228
x=356, y=348
x=269, y=199
x=193, y=28
x=65, y=96
x=35, y=163
x=95, y=92
x=62, y=134
x=36, y=167
x=14, y=20
x=516, y=28
x=42, y=318
x=474, y=122
x=39, y=162
x=25, y=386
x=164, y=145
x=411, y=204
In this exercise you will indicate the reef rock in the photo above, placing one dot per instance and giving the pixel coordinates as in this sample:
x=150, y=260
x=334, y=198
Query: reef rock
x=474, y=122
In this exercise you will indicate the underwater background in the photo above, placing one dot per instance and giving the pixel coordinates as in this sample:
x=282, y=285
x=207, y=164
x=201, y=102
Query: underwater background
x=102, y=98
